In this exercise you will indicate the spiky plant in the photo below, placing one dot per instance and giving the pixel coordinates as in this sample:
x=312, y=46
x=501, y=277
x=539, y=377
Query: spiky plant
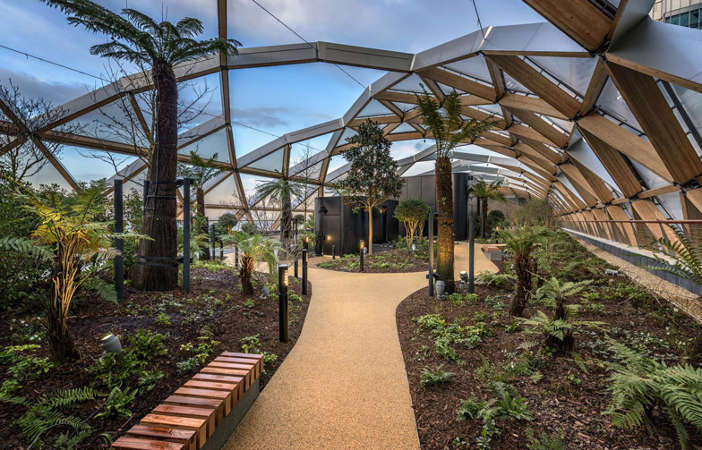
x=487, y=191
x=79, y=245
x=156, y=47
x=520, y=242
x=686, y=256
x=640, y=386
x=282, y=190
x=448, y=129
x=252, y=248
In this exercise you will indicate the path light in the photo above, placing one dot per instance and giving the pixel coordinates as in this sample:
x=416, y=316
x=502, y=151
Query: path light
x=111, y=344
x=304, y=271
x=440, y=287
x=363, y=247
x=497, y=232
x=414, y=247
x=333, y=251
x=464, y=277
x=306, y=241
x=283, y=302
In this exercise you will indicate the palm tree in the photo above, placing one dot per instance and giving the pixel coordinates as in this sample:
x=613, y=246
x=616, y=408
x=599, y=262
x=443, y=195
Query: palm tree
x=200, y=171
x=448, y=130
x=252, y=248
x=487, y=191
x=78, y=246
x=521, y=243
x=282, y=190
x=157, y=47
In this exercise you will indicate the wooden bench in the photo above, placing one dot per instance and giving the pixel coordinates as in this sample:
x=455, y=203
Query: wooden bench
x=493, y=252
x=189, y=417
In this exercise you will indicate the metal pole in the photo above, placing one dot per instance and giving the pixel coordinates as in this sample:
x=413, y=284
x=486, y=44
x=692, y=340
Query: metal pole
x=362, y=248
x=296, y=264
x=212, y=239
x=471, y=250
x=186, y=235
x=431, y=254
x=304, y=271
x=221, y=250
x=119, y=242
x=236, y=257
x=283, y=302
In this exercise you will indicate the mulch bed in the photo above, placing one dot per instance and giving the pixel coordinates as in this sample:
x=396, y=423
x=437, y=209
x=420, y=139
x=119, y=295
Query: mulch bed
x=215, y=302
x=393, y=261
x=566, y=399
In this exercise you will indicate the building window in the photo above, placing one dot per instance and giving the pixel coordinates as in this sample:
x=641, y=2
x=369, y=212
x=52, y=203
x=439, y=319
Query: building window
x=675, y=20
x=685, y=19
x=694, y=18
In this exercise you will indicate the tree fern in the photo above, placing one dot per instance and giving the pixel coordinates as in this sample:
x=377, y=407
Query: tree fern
x=27, y=246
x=639, y=385
x=686, y=256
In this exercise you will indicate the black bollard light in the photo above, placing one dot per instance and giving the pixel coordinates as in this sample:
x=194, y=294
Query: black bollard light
x=119, y=242
x=471, y=254
x=363, y=245
x=214, y=242
x=296, y=258
x=307, y=243
x=430, y=276
x=304, y=272
x=333, y=251
x=236, y=257
x=187, y=222
x=221, y=250
x=283, y=302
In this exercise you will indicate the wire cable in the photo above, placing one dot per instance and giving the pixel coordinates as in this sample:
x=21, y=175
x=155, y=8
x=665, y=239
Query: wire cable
x=475, y=6
x=28, y=55
x=307, y=42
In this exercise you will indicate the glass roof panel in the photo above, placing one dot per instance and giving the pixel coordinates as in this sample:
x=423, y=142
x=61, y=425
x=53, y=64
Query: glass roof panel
x=135, y=183
x=474, y=67
x=335, y=163
x=513, y=85
x=403, y=149
x=199, y=100
x=312, y=172
x=374, y=108
x=575, y=72
x=208, y=147
x=87, y=165
x=692, y=102
x=612, y=101
x=48, y=175
x=405, y=107
x=404, y=128
x=271, y=163
x=225, y=193
x=410, y=84
x=115, y=122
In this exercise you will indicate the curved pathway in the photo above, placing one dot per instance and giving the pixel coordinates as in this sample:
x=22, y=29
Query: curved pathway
x=344, y=384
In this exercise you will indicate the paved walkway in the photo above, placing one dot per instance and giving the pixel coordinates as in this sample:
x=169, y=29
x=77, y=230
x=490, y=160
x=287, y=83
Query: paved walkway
x=344, y=384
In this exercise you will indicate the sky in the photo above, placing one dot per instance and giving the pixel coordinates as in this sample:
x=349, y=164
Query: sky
x=273, y=100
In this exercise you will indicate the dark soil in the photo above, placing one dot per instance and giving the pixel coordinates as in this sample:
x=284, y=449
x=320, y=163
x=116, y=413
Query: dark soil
x=566, y=399
x=393, y=261
x=215, y=303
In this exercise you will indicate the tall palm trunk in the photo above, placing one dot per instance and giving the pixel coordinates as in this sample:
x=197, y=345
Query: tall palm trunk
x=247, y=265
x=200, y=200
x=485, y=214
x=161, y=273
x=444, y=199
x=524, y=268
x=286, y=223
x=370, y=230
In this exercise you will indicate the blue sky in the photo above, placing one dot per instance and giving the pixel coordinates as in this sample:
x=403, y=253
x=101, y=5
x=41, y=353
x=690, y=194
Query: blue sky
x=277, y=100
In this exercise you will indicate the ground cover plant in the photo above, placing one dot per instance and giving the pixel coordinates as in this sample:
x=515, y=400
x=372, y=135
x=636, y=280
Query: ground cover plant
x=166, y=338
x=401, y=259
x=481, y=378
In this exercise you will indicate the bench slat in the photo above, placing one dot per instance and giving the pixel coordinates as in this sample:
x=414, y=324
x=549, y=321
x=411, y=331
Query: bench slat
x=128, y=443
x=234, y=372
x=256, y=366
x=187, y=411
x=226, y=397
x=178, y=435
x=197, y=402
x=189, y=423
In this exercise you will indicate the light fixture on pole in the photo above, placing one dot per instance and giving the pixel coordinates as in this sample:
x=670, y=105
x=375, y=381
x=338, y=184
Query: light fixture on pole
x=363, y=246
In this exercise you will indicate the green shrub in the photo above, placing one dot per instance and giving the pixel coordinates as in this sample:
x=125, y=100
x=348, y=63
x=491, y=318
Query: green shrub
x=435, y=377
x=640, y=385
x=545, y=441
